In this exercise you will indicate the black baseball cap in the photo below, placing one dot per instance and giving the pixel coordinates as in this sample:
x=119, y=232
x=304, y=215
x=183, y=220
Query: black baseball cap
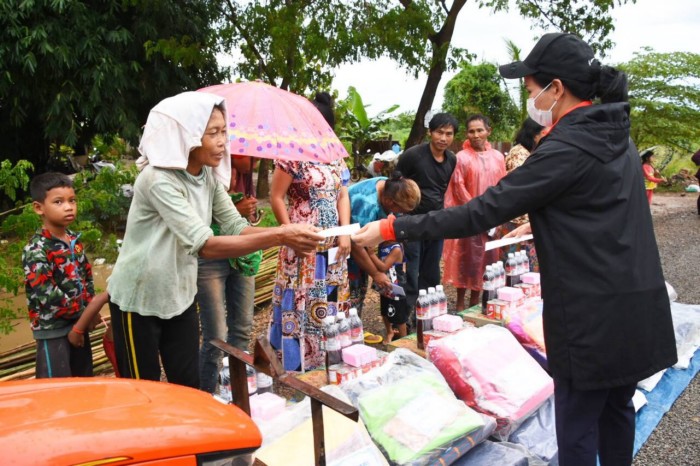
x=561, y=55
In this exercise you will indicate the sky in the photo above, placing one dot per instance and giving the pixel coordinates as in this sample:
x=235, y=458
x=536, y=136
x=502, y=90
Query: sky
x=664, y=25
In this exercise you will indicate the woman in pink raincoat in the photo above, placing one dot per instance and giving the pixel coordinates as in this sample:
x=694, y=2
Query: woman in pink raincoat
x=478, y=167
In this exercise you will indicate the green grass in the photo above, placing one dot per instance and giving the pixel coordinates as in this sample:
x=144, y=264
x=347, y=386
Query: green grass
x=268, y=218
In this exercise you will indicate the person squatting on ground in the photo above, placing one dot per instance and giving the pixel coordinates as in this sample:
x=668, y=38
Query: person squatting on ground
x=478, y=167
x=606, y=314
x=430, y=165
x=58, y=282
x=181, y=190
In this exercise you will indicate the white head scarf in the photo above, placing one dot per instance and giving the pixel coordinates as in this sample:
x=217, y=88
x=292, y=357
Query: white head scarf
x=175, y=127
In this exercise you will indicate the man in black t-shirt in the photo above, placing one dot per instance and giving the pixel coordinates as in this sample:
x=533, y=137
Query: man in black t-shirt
x=430, y=165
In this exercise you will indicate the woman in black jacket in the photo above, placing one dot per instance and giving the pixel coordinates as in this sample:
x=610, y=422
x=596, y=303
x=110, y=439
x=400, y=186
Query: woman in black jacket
x=607, y=319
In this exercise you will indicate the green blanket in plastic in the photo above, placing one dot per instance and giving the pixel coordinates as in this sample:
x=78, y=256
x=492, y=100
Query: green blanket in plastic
x=413, y=418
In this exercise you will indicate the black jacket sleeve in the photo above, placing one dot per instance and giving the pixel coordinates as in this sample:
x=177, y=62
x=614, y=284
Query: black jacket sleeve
x=544, y=176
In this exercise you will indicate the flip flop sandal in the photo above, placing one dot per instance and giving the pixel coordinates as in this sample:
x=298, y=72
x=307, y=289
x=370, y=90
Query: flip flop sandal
x=372, y=339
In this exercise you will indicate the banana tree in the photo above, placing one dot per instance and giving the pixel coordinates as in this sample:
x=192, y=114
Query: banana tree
x=356, y=127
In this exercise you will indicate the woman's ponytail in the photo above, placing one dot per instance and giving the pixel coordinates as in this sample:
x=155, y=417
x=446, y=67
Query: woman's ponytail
x=612, y=85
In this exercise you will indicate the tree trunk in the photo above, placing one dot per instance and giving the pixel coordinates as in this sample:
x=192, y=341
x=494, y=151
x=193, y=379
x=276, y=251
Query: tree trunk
x=441, y=44
x=426, y=101
x=262, y=190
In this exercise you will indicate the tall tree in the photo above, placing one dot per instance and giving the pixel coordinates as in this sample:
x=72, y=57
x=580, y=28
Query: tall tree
x=296, y=44
x=73, y=69
x=515, y=54
x=664, y=91
x=588, y=18
x=480, y=89
x=291, y=44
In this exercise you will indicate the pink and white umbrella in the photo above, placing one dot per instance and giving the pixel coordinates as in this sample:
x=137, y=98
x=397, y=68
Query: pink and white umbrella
x=269, y=122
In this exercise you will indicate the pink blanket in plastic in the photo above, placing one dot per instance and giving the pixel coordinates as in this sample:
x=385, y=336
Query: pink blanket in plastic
x=488, y=369
x=525, y=323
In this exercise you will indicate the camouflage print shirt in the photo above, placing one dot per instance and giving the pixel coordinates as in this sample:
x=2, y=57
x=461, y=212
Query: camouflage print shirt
x=58, y=282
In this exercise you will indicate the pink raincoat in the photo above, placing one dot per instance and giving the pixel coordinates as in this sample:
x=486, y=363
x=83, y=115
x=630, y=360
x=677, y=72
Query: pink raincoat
x=465, y=258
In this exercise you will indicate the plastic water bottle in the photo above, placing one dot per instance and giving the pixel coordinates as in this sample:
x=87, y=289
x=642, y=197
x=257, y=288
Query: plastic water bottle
x=333, y=348
x=422, y=316
x=488, y=288
x=434, y=302
x=501, y=275
x=525, y=262
x=251, y=379
x=357, y=335
x=264, y=383
x=442, y=299
x=511, y=270
x=344, y=330
x=225, y=383
x=327, y=322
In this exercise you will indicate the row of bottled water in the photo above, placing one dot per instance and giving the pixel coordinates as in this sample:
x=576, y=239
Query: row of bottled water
x=431, y=303
x=496, y=276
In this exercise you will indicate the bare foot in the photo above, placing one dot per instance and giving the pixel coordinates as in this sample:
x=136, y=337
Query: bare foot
x=390, y=336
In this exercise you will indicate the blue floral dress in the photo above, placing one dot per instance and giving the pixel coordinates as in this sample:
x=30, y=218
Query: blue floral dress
x=307, y=290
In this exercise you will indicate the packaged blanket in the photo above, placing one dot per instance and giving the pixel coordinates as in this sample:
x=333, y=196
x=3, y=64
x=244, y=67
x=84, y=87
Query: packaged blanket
x=525, y=323
x=488, y=369
x=409, y=409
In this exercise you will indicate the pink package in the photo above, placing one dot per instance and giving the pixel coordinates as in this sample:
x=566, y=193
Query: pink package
x=448, y=323
x=508, y=293
x=530, y=277
x=359, y=355
x=526, y=325
x=489, y=370
x=266, y=406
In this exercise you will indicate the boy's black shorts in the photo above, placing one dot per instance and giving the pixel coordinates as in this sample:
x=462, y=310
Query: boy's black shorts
x=396, y=311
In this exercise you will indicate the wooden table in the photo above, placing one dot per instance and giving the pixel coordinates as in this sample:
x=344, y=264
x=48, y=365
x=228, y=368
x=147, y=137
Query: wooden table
x=409, y=342
x=474, y=315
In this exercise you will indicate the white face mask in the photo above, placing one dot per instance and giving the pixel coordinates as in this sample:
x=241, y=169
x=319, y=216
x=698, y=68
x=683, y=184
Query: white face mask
x=542, y=117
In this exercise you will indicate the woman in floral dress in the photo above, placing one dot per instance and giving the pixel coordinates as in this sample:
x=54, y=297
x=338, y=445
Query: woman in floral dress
x=307, y=288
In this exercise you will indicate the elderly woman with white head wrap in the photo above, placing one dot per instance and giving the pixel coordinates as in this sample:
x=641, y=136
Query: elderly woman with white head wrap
x=181, y=189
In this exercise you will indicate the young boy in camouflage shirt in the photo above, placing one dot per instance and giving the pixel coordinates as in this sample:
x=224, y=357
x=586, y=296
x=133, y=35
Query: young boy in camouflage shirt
x=58, y=281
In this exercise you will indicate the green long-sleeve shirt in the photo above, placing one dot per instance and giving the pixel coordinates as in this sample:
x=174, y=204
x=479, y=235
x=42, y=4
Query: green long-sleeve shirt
x=168, y=223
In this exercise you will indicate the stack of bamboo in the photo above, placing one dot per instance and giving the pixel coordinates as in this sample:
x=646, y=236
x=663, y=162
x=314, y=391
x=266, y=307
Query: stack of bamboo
x=20, y=363
x=264, y=280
